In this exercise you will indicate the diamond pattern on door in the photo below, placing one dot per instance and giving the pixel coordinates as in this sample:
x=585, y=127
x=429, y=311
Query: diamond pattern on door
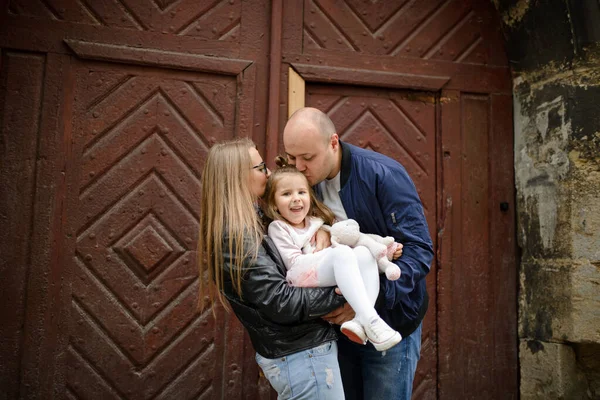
x=209, y=19
x=140, y=141
x=429, y=29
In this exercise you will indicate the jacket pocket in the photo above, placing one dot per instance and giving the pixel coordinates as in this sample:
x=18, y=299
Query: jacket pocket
x=410, y=221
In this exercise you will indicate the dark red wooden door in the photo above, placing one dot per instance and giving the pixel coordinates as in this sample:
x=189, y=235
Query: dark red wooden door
x=107, y=111
x=130, y=95
x=138, y=150
x=427, y=83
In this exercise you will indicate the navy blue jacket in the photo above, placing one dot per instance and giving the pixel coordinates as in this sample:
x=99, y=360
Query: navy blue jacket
x=377, y=192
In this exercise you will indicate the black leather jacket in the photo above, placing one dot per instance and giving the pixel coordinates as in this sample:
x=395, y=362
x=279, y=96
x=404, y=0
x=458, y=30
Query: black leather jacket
x=280, y=319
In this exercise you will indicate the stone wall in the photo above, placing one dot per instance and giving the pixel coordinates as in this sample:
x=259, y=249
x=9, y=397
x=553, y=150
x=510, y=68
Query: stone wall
x=554, y=50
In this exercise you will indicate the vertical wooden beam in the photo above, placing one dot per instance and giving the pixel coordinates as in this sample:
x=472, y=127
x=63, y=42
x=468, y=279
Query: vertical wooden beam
x=449, y=230
x=272, y=137
x=21, y=105
x=44, y=339
x=296, y=91
x=503, y=248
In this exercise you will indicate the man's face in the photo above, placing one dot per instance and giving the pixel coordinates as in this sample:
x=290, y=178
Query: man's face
x=309, y=152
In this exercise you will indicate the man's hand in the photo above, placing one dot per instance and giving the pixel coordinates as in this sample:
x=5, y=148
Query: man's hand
x=323, y=239
x=340, y=315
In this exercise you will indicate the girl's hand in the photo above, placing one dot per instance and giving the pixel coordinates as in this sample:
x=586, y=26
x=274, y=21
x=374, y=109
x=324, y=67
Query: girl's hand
x=323, y=239
x=398, y=251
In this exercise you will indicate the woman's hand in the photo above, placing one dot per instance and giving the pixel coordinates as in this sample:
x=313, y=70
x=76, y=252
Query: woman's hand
x=323, y=239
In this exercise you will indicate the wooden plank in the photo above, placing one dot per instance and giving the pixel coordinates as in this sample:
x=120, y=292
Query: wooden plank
x=449, y=243
x=472, y=273
x=365, y=77
x=296, y=91
x=472, y=325
x=47, y=289
x=154, y=57
x=21, y=95
x=503, y=249
x=272, y=134
x=464, y=77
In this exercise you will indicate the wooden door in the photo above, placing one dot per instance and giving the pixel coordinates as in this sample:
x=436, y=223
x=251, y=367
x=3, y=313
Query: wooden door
x=138, y=151
x=122, y=102
x=427, y=84
x=107, y=111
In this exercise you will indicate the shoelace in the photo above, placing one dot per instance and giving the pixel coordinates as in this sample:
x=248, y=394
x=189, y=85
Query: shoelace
x=377, y=328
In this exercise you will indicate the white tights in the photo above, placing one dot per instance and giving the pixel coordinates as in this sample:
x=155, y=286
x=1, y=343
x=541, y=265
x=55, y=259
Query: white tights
x=355, y=272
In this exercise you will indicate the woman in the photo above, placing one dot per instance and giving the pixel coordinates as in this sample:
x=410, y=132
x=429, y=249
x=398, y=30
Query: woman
x=295, y=348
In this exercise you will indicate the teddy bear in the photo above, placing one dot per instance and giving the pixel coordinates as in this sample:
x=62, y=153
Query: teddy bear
x=382, y=248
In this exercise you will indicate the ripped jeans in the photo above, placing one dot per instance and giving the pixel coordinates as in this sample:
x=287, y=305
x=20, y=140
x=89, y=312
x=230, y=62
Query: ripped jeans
x=309, y=374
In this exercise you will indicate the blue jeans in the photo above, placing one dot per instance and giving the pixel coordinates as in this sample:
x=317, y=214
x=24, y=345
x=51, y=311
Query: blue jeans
x=370, y=374
x=308, y=374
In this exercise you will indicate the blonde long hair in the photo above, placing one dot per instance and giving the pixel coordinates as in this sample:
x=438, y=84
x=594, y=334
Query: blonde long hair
x=317, y=208
x=227, y=206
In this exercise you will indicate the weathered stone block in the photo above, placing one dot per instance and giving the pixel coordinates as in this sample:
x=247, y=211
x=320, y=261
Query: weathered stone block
x=549, y=371
x=585, y=203
x=560, y=301
x=585, y=303
x=542, y=133
x=588, y=357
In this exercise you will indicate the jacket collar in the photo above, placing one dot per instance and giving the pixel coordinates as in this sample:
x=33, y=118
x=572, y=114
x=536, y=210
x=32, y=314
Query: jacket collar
x=346, y=163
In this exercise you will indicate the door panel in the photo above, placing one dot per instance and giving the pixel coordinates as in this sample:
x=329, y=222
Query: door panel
x=217, y=20
x=476, y=281
x=454, y=30
x=139, y=143
x=401, y=125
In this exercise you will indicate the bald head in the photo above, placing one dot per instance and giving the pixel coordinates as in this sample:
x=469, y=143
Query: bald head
x=309, y=117
x=311, y=144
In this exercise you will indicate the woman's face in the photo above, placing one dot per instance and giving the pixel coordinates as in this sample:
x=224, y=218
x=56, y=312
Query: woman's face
x=258, y=173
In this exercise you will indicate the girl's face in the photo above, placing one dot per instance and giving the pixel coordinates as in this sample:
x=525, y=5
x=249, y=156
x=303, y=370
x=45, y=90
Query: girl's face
x=292, y=199
x=258, y=173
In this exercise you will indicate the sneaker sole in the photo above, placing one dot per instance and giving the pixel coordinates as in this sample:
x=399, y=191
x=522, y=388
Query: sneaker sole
x=388, y=344
x=353, y=336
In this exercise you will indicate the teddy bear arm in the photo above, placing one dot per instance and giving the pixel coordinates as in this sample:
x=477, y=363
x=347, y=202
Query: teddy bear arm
x=377, y=249
x=384, y=240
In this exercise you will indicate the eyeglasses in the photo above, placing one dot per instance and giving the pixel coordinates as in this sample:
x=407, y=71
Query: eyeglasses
x=262, y=167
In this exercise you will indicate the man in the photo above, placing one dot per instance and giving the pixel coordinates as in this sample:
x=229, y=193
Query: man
x=377, y=192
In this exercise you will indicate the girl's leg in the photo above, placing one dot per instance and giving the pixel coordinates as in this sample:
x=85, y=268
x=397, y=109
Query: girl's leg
x=342, y=261
x=370, y=276
x=375, y=329
x=369, y=272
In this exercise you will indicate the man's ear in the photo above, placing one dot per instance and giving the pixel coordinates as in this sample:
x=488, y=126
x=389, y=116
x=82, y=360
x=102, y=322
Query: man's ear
x=335, y=141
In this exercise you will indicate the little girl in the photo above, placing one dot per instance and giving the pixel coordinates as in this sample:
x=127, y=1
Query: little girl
x=297, y=215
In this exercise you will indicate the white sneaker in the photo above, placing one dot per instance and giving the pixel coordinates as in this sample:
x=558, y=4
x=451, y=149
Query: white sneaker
x=381, y=335
x=354, y=331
